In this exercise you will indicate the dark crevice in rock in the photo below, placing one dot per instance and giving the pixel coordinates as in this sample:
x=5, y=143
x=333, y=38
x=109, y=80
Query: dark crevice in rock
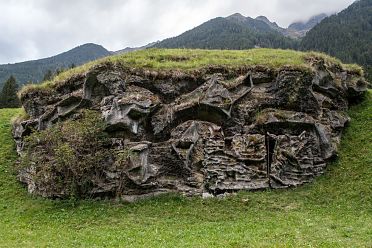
x=167, y=89
x=198, y=113
x=270, y=148
x=93, y=90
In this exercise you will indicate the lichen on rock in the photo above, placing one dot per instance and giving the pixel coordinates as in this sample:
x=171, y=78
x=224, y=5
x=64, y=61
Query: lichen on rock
x=215, y=131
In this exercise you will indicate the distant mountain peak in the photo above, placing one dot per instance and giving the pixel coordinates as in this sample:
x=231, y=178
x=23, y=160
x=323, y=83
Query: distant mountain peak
x=132, y=49
x=236, y=16
x=262, y=18
x=307, y=24
x=232, y=32
x=267, y=21
x=89, y=45
x=323, y=15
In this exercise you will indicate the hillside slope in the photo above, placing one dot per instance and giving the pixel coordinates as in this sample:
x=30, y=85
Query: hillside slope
x=233, y=32
x=347, y=35
x=33, y=71
x=306, y=216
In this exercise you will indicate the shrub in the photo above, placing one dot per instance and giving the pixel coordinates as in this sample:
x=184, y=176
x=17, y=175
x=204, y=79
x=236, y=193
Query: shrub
x=68, y=157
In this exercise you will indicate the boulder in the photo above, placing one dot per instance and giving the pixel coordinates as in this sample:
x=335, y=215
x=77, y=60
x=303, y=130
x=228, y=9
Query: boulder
x=210, y=132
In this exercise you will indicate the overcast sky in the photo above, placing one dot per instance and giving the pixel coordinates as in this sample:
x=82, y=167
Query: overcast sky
x=33, y=29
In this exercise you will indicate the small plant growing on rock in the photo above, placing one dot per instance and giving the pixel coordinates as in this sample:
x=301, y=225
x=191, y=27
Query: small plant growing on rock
x=123, y=156
x=68, y=158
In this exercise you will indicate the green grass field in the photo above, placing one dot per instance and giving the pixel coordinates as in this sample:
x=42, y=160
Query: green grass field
x=334, y=211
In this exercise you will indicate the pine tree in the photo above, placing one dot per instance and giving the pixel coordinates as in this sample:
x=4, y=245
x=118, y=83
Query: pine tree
x=48, y=75
x=58, y=71
x=8, y=96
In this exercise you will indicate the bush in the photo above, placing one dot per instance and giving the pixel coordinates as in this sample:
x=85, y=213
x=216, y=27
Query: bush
x=68, y=157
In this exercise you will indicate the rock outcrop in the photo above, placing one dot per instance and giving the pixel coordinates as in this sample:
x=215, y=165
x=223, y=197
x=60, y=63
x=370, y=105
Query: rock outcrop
x=208, y=131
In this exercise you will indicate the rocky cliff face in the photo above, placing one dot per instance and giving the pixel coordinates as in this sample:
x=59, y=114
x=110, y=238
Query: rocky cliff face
x=208, y=131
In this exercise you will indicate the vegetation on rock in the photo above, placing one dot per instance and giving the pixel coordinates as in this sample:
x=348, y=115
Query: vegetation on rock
x=189, y=59
x=66, y=157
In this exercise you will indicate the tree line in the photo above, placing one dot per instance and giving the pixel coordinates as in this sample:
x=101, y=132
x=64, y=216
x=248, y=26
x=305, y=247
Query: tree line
x=8, y=94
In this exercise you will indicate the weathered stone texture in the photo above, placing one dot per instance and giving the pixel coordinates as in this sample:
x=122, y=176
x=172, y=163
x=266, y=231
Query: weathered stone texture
x=212, y=133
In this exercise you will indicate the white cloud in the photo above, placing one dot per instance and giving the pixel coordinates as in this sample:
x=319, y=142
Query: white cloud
x=31, y=29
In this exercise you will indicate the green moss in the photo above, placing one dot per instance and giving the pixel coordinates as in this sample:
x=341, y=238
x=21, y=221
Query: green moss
x=262, y=116
x=123, y=156
x=189, y=59
x=22, y=116
x=357, y=69
x=352, y=68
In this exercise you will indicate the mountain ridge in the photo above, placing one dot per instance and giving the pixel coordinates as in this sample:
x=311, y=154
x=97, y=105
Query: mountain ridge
x=232, y=32
x=34, y=70
x=237, y=31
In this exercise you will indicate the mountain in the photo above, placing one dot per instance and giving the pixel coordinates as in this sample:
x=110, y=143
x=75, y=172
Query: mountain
x=346, y=35
x=34, y=70
x=264, y=19
x=301, y=28
x=132, y=49
x=232, y=32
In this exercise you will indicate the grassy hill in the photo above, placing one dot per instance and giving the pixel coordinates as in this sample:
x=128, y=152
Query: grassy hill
x=334, y=211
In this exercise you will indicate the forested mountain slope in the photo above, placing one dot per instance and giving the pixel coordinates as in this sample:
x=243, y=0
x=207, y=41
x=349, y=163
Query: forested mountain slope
x=347, y=35
x=34, y=70
x=233, y=32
